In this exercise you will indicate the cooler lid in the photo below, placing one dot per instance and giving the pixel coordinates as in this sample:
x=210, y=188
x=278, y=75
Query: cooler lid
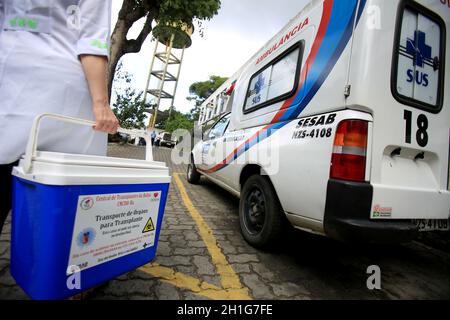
x=89, y=160
x=53, y=168
x=62, y=169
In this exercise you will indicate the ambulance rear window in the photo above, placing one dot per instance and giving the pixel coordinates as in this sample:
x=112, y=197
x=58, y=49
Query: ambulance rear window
x=275, y=82
x=418, y=64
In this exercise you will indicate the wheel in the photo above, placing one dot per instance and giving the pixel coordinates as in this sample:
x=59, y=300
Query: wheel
x=193, y=176
x=261, y=216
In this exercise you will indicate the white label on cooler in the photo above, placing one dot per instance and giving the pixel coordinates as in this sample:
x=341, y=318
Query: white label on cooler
x=110, y=226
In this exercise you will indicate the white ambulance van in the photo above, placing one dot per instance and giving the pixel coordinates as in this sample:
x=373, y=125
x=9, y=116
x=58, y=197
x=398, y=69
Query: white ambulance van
x=351, y=102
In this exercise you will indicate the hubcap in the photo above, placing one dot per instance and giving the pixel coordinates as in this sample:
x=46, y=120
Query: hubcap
x=254, y=211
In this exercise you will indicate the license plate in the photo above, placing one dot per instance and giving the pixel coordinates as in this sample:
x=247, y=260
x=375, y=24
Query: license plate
x=432, y=224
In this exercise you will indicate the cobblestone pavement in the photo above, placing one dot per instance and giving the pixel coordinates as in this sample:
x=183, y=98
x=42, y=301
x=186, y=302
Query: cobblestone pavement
x=201, y=255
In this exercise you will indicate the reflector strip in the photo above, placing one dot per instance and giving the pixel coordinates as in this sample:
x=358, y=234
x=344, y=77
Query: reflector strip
x=356, y=151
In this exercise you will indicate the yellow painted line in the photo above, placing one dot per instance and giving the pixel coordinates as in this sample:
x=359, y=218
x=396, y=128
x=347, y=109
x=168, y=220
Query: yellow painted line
x=232, y=289
x=177, y=278
x=228, y=278
x=184, y=281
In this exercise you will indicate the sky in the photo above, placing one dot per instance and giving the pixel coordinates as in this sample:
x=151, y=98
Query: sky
x=230, y=38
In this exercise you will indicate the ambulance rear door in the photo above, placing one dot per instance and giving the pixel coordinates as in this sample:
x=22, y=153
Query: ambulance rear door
x=411, y=128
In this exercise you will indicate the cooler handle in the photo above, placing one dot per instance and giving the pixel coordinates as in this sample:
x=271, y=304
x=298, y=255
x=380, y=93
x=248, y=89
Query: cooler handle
x=30, y=153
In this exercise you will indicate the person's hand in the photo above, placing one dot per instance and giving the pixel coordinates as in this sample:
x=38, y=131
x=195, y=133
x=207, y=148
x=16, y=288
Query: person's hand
x=94, y=68
x=105, y=119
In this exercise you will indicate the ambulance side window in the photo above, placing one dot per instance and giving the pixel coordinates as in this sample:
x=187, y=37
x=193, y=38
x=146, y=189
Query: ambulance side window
x=206, y=128
x=276, y=81
x=418, y=61
x=219, y=128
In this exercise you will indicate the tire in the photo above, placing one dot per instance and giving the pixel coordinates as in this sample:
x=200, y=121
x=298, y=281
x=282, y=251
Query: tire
x=192, y=175
x=261, y=216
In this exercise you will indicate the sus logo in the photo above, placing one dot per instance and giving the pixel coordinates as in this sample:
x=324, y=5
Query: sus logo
x=420, y=54
x=259, y=84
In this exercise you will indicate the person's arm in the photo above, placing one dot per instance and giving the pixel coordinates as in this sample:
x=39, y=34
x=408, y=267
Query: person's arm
x=95, y=68
x=93, y=49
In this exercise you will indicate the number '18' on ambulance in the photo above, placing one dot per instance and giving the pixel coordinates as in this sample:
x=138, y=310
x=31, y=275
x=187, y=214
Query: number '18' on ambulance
x=339, y=125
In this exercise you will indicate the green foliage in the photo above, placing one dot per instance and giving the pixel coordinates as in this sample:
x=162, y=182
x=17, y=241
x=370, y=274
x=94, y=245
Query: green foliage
x=185, y=11
x=129, y=109
x=128, y=106
x=178, y=121
x=161, y=119
x=200, y=91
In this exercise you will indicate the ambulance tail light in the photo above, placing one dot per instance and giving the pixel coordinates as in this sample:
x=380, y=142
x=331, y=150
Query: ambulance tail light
x=348, y=160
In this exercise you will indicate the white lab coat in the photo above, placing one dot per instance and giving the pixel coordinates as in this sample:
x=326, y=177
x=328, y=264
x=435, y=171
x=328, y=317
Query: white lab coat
x=40, y=72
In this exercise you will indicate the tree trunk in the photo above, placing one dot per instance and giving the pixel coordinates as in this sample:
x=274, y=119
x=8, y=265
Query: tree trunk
x=118, y=39
x=120, y=45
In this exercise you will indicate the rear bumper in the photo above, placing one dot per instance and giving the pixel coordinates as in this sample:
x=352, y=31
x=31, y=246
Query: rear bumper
x=347, y=216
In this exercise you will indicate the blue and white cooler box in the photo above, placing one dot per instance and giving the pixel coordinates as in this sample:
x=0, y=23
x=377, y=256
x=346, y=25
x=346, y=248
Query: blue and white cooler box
x=81, y=220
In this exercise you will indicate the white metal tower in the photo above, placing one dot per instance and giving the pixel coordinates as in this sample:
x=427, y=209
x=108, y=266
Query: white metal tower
x=169, y=49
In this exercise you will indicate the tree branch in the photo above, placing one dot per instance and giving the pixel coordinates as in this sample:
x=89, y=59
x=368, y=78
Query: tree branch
x=130, y=12
x=134, y=45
